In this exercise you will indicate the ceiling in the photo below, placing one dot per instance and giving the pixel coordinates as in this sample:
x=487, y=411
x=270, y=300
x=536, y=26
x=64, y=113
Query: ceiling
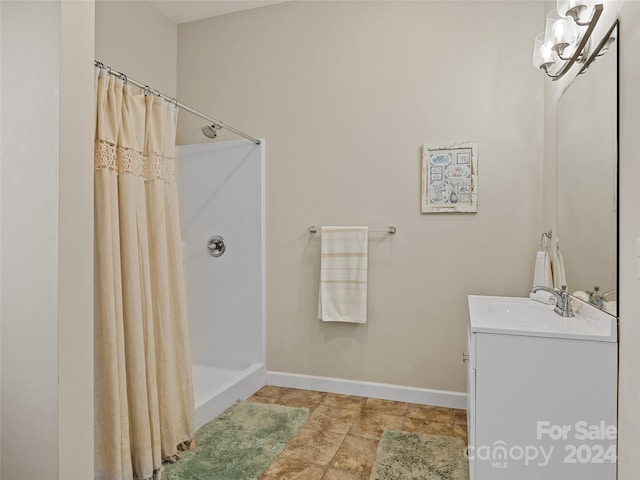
x=181, y=11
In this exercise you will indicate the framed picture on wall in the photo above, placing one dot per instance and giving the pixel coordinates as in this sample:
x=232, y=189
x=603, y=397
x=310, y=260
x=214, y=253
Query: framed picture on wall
x=450, y=178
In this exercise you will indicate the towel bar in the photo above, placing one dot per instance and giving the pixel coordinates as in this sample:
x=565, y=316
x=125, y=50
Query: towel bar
x=391, y=229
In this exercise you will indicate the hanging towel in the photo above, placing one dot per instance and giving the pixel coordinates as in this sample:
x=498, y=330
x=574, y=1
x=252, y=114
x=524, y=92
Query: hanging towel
x=542, y=273
x=343, y=274
x=559, y=276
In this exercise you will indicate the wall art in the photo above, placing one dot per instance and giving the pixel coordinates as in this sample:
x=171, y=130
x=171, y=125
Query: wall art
x=450, y=178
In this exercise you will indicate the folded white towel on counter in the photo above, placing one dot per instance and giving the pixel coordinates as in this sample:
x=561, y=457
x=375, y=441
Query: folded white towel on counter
x=584, y=296
x=544, y=297
x=542, y=273
x=343, y=274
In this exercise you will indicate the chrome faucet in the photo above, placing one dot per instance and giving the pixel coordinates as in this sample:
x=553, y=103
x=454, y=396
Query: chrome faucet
x=563, y=299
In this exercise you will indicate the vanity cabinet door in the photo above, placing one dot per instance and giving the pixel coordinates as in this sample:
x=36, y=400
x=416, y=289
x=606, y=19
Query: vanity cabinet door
x=532, y=401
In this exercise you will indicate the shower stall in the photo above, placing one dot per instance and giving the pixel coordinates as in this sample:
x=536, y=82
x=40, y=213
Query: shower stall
x=221, y=198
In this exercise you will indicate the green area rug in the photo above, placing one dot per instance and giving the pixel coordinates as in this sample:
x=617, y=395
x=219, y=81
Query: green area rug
x=412, y=456
x=239, y=444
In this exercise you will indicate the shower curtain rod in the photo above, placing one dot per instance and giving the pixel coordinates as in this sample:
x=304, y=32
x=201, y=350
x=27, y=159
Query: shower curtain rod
x=147, y=89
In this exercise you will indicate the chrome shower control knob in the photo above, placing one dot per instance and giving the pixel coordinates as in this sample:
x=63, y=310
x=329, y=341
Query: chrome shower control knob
x=216, y=246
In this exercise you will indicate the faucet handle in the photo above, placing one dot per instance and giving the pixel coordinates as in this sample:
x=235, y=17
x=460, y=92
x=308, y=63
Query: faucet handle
x=567, y=311
x=595, y=298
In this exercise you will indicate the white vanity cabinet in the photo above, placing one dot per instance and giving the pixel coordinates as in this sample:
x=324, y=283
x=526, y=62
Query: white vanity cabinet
x=541, y=392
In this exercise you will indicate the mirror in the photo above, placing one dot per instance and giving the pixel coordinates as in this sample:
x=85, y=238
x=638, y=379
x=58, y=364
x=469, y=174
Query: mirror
x=587, y=181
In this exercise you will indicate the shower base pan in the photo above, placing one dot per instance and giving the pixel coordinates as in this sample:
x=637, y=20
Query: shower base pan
x=216, y=389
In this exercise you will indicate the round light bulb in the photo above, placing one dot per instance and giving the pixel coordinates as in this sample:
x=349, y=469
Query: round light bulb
x=561, y=32
x=543, y=53
x=559, y=29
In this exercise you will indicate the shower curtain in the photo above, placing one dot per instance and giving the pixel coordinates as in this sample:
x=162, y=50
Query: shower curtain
x=143, y=388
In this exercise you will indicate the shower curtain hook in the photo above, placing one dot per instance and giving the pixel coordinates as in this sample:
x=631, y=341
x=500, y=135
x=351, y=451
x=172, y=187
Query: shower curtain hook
x=124, y=78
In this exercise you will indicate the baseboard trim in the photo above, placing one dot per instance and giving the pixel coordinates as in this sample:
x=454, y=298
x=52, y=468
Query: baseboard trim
x=400, y=393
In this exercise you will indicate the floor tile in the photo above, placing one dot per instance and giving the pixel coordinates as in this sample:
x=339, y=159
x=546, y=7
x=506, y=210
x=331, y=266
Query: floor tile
x=337, y=420
x=313, y=446
x=301, y=398
x=349, y=402
x=372, y=424
x=336, y=474
x=356, y=454
x=271, y=391
x=415, y=425
x=431, y=413
x=460, y=417
x=461, y=432
x=258, y=399
x=341, y=436
x=289, y=469
x=385, y=406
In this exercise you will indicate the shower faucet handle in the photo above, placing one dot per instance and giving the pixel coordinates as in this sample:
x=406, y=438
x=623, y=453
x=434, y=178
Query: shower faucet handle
x=216, y=246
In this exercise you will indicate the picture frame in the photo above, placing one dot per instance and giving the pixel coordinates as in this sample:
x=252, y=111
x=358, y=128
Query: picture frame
x=450, y=178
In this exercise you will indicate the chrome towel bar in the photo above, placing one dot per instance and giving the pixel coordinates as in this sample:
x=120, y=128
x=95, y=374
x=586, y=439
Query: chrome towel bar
x=391, y=229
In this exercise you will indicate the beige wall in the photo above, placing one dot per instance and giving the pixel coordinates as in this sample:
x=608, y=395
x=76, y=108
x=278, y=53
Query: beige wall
x=47, y=227
x=135, y=38
x=75, y=251
x=345, y=93
x=30, y=83
x=629, y=228
x=628, y=13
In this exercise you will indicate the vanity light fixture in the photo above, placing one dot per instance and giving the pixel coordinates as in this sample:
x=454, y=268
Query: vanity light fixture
x=566, y=39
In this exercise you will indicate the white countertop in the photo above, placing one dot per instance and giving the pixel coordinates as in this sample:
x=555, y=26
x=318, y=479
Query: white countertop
x=523, y=316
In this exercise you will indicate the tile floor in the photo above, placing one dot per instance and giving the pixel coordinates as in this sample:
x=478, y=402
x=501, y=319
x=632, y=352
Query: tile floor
x=340, y=438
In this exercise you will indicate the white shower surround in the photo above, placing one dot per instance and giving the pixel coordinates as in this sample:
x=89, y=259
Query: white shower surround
x=221, y=192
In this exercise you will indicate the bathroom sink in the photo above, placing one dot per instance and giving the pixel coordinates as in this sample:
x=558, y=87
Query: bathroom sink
x=523, y=316
x=523, y=312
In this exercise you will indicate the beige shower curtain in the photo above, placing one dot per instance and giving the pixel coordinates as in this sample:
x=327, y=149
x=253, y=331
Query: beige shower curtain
x=143, y=388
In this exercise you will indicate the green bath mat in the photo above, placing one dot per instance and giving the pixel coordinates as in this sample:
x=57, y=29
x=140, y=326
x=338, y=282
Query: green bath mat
x=412, y=456
x=239, y=444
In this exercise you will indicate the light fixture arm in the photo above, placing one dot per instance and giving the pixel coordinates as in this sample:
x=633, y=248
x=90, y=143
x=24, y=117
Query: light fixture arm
x=598, y=50
x=591, y=25
x=582, y=24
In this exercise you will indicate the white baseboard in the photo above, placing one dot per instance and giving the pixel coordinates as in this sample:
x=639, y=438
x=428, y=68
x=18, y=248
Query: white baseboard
x=400, y=393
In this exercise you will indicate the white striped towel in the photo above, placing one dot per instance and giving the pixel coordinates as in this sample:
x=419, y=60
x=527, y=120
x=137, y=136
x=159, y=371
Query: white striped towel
x=343, y=274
